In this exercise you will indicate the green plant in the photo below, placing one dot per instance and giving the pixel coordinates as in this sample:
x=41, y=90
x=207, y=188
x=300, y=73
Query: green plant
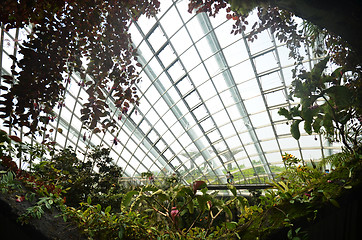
x=181, y=208
x=329, y=104
x=37, y=211
x=79, y=178
x=7, y=151
x=296, y=234
x=104, y=224
x=8, y=181
x=336, y=159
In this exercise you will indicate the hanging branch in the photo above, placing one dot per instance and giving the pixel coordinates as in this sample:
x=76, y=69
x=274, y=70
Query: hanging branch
x=65, y=34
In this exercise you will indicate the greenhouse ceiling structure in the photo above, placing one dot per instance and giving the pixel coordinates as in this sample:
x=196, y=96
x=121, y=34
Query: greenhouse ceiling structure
x=209, y=102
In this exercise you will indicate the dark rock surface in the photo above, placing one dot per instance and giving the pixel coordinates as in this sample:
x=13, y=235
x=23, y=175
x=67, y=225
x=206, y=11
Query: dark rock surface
x=47, y=227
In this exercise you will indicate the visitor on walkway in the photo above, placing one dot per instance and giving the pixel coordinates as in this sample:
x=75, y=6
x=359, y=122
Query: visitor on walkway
x=230, y=178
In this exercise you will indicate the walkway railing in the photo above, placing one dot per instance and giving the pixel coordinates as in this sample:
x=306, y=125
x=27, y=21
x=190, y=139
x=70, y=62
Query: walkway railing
x=252, y=182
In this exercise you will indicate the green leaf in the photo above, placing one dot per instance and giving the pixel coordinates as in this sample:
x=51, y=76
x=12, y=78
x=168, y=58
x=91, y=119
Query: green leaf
x=150, y=188
x=89, y=200
x=327, y=123
x=284, y=112
x=227, y=211
x=341, y=95
x=38, y=214
x=338, y=73
x=204, y=190
x=318, y=69
x=202, y=199
x=316, y=125
x=308, y=127
x=128, y=197
x=334, y=202
x=232, y=189
x=285, y=187
x=190, y=207
x=121, y=232
x=294, y=129
x=295, y=111
x=161, y=195
x=185, y=191
x=307, y=115
x=231, y=225
x=290, y=234
x=99, y=207
x=242, y=200
x=108, y=209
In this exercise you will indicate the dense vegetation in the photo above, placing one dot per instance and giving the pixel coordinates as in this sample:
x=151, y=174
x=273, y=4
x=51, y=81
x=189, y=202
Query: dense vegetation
x=104, y=209
x=88, y=192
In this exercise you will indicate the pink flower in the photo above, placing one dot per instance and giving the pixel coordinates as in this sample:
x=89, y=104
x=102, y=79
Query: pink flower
x=174, y=213
x=20, y=198
x=329, y=181
x=197, y=185
x=307, y=194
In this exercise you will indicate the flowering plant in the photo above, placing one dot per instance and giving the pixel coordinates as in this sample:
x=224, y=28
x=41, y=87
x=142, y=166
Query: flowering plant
x=289, y=159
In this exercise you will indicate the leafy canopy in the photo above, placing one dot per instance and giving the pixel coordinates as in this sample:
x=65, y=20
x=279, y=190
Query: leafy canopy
x=63, y=35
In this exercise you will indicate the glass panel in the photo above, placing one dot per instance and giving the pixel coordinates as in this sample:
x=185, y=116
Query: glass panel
x=262, y=42
x=265, y=62
x=184, y=85
x=167, y=56
x=275, y=98
x=224, y=37
x=181, y=41
x=171, y=22
x=176, y=71
x=195, y=29
x=207, y=90
x=190, y=54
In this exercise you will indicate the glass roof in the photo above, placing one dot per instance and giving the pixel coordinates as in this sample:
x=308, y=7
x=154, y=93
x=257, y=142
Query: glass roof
x=209, y=102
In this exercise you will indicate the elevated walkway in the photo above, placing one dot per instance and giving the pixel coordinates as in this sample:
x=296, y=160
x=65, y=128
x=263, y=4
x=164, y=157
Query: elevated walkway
x=239, y=186
x=138, y=181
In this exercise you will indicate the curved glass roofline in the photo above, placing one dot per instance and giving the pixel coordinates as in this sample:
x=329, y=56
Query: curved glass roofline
x=208, y=102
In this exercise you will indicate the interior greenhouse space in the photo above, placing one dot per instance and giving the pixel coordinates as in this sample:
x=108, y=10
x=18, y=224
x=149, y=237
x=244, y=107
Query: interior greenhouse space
x=180, y=119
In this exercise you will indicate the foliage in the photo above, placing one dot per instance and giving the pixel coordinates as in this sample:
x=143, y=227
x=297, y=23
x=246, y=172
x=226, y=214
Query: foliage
x=289, y=160
x=189, y=212
x=37, y=210
x=8, y=181
x=328, y=105
x=79, y=178
x=183, y=211
x=10, y=146
x=63, y=34
x=299, y=192
x=175, y=211
x=103, y=224
x=336, y=160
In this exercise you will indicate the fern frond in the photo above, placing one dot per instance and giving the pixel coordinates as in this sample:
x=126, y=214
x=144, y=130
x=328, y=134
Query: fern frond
x=336, y=159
